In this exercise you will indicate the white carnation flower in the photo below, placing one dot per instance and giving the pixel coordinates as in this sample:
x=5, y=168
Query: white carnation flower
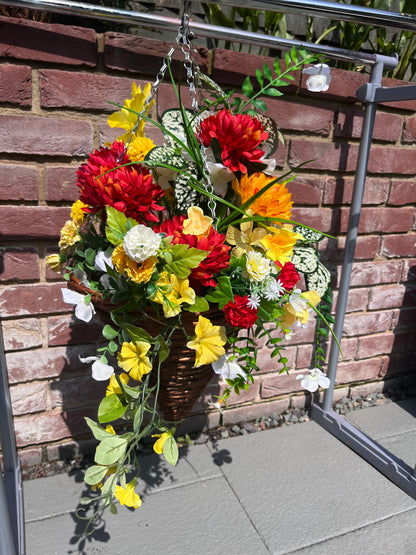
x=257, y=266
x=315, y=379
x=319, y=79
x=141, y=242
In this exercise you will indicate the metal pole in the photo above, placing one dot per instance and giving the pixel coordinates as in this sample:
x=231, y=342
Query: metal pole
x=12, y=474
x=6, y=537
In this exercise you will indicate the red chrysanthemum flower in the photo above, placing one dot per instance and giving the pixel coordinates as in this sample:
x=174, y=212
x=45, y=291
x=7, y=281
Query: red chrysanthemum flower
x=238, y=135
x=129, y=189
x=288, y=275
x=218, y=256
x=238, y=313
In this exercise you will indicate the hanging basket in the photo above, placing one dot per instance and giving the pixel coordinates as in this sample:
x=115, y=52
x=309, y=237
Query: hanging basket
x=180, y=383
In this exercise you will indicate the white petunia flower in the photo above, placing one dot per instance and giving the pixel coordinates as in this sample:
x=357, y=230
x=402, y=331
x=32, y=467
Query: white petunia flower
x=315, y=379
x=100, y=370
x=83, y=310
x=102, y=260
x=228, y=369
x=164, y=177
x=220, y=177
x=296, y=300
x=257, y=266
x=319, y=79
x=141, y=242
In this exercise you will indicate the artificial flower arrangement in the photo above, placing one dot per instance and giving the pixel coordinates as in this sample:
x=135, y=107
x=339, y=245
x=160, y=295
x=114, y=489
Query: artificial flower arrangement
x=190, y=243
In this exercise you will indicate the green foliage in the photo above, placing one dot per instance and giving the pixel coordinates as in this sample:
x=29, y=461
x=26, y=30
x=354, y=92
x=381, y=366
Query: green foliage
x=184, y=258
x=117, y=225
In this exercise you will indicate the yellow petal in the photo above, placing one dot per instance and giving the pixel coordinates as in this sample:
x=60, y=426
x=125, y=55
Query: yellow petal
x=197, y=223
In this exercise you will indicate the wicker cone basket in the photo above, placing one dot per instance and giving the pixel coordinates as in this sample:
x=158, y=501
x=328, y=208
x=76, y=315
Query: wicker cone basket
x=180, y=383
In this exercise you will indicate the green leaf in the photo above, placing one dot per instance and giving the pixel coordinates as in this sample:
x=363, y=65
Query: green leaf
x=247, y=87
x=117, y=225
x=184, y=259
x=110, y=450
x=170, y=451
x=267, y=72
x=200, y=305
x=277, y=66
x=259, y=104
x=272, y=92
x=98, y=432
x=164, y=350
x=137, y=334
x=223, y=293
x=109, y=333
x=113, y=508
x=95, y=474
x=259, y=76
x=90, y=256
x=110, y=408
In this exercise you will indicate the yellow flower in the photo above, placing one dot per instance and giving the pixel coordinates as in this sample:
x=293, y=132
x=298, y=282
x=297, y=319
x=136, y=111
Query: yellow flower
x=158, y=445
x=77, y=212
x=245, y=238
x=113, y=386
x=127, y=496
x=69, y=235
x=132, y=358
x=110, y=429
x=172, y=292
x=279, y=244
x=197, y=223
x=127, y=119
x=208, y=342
x=139, y=147
x=257, y=266
x=297, y=309
x=54, y=262
x=139, y=273
x=275, y=202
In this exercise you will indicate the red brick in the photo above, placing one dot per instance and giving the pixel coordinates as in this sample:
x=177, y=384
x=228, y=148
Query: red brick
x=18, y=182
x=318, y=218
x=375, y=273
x=293, y=116
x=357, y=300
x=409, y=270
x=363, y=370
x=61, y=183
x=278, y=384
x=237, y=415
x=375, y=345
x=28, y=398
x=366, y=323
x=392, y=160
x=89, y=91
x=22, y=334
x=76, y=392
x=367, y=247
x=390, y=296
x=43, y=222
x=51, y=426
x=143, y=55
x=67, y=330
x=304, y=356
x=338, y=190
x=387, y=127
x=409, y=135
x=402, y=192
x=45, y=136
x=398, y=245
x=381, y=220
x=27, y=366
x=322, y=155
x=16, y=85
x=306, y=190
x=30, y=457
x=19, y=264
x=267, y=364
x=23, y=39
x=348, y=348
x=28, y=300
x=397, y=364
x=400, y=105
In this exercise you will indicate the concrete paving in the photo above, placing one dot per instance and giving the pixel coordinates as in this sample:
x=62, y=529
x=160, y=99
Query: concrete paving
x=295, y=489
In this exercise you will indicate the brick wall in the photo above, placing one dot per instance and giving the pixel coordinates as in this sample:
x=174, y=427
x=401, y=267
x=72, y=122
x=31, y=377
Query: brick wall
x=55, y=82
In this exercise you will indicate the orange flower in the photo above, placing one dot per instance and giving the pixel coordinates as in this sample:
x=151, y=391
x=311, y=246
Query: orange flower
x=139, y=273
x=273, y=203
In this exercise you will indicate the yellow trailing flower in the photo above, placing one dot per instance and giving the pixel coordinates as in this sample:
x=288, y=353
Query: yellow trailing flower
x=113, y=386
x=297, y=309
x=279, y=244
x=196, y=223
x=54, y=262
x=127, y=496
x=77, y=212
x=208, y=342
x=69, y=235
x=139, y=147
x=245, y=238
x=158, y=445
x=139, y=273
x=172, y=292
x=127, y=119
x=133, y=359
x=110, y=429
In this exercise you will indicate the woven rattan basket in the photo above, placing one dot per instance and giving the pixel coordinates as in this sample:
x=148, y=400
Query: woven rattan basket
x=180, y=383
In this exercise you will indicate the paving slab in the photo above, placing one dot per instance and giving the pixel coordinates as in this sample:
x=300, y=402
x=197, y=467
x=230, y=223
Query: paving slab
x=300, y=486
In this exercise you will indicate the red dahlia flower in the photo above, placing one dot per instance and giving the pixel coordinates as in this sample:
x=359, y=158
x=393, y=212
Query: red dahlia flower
x=129, y=189
x=213, y=242
x=288, y=275
x=238, y=313
x=238, y=136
